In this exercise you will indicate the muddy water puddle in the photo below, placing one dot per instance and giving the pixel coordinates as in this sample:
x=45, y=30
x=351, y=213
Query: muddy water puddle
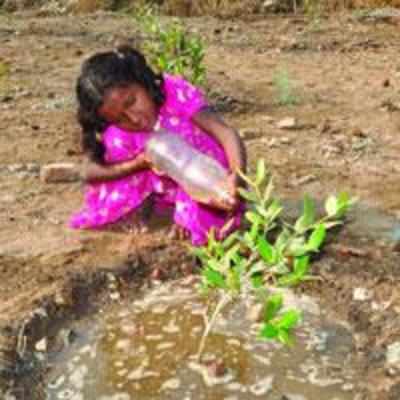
x=145, y=350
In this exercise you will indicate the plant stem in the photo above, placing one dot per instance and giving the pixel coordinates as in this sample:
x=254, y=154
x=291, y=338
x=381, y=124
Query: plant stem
x=225, y=299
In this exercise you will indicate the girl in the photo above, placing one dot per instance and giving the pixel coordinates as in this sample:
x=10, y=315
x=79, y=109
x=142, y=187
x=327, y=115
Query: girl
x=121, y=100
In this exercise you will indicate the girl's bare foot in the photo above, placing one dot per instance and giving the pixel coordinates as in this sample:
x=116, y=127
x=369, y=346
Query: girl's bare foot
x=178, y=232
x=134, y=225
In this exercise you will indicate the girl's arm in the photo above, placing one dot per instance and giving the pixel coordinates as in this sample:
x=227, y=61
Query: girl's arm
x=93, y=172
x=229, y=139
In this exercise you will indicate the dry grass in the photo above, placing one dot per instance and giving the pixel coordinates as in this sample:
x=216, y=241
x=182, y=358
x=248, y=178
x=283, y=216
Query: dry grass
x=211, y=7
x=228, y=8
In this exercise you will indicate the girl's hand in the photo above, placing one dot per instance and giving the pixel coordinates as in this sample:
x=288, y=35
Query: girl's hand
x=232, y=203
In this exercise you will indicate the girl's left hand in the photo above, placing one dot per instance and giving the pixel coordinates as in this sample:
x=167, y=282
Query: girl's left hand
x=233, y=189
x=231, y=205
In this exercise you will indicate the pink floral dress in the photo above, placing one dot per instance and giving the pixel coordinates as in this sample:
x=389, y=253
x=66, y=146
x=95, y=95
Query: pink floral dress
x=109, y=201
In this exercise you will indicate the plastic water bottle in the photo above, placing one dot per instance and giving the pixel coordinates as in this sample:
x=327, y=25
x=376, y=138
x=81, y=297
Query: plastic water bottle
x=203, y=178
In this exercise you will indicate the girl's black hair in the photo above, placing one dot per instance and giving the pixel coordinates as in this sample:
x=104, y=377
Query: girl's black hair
x=102, y=72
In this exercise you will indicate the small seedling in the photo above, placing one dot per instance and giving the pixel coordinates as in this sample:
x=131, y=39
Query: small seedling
x=171, y=48
x=285, y=92
x=269, y=253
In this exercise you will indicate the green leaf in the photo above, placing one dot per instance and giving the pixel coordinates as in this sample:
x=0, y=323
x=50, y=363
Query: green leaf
x=253, y=217
x=230, y=240
x=317, y=238
x=261, y=172
x=233, y=280
x=245, y=178
x=200, y=253
x=308, y=216
x=301, y=265
x=268, y=331
x=344, y=203
x=331, y=206
x=266, y=250
x=285, y=337
x=272, y=306
x=289, y=320
x=248, y=195
x=291, y=279
x=214, y=278
x=282, y=240
x=297, y=247
x=268, y=191
x=257, y=280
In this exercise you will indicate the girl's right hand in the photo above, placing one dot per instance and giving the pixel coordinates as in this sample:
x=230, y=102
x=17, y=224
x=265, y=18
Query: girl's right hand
x=140, y=161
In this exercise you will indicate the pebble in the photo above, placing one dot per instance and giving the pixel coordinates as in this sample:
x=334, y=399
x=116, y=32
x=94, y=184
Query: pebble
x=291, y=396
x=250, y=133
x=393, y=354
x=77, y=378
x=287, y=123
x=362, y=294
x=59, y=173
x=304, y=180
x=263, y=386
x=171, y=384
x=41, y=345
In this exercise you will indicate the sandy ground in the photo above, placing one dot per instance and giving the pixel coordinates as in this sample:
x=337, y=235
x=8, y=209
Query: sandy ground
x=346, y=76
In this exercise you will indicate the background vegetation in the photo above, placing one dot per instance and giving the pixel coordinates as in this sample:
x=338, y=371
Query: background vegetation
x=202, y=7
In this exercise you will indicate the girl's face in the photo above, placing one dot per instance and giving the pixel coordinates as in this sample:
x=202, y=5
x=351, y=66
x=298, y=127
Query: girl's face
x=129, y=107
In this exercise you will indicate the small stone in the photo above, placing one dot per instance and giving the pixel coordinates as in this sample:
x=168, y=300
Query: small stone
x=255, y=312
x=157, y=274
x=386, y=82
x=267, y=118
x=285, y=140
x=393, y=354
x=33, y=168
x=216, y=368
x=250, y=133
x=262, y=387
x=358, y=132
x=304, y=179
x=59, y=172
x=41, y=345
x=115, y=296
x=171, y=384
x=291, y=396
x=361, y=294
x=16, y=168
x=287, y=123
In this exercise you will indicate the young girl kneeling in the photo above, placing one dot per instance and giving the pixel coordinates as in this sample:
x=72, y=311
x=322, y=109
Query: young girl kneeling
x=121, y=100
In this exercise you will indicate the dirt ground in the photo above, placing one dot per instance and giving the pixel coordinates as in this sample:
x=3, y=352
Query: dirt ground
x=346, y=76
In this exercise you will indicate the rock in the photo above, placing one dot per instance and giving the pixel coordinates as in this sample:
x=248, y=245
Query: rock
x=255, y=312
x=386, y=82
x=157, y=274
x=357, y=131
x=250, y=133
x=262, y=387
x=287, y=123
x=216, y=368
x=267, y=118
x=270, y=5
x=303, y=180
x=171, y=384
x=285, y=140
x=115, y=296
x=13, y=168
x=59, y=172
x=33, y=168
x=293, y=397
x=393, y=354
x=41, y=345
x=362, y=294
